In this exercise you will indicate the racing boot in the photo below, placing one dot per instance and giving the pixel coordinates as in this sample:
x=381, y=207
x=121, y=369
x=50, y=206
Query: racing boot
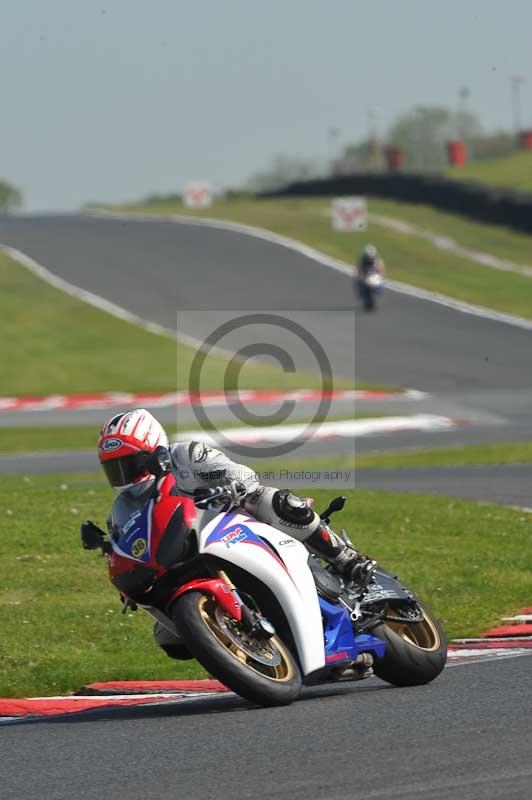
x=343, y=556
x=293, y=515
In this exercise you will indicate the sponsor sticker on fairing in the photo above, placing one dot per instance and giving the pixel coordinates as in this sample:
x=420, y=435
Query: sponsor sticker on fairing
x=131, y=521
x=138, y=548
x=377, y=592
x=233, y=537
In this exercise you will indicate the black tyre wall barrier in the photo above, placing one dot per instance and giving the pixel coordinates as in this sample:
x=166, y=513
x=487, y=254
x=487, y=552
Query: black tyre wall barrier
x=477, y=201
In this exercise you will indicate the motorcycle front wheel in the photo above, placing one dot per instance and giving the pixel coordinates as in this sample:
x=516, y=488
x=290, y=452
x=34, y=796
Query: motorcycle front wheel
x=261, y=670
x=416, y=652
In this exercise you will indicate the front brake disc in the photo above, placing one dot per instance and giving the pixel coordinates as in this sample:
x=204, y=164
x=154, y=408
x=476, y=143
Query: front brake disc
x=261, y=651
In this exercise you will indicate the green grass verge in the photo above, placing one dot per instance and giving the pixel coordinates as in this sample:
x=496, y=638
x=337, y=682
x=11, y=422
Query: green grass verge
x=55, y=344
x=460, y=456
x=496, y=240
x=511, y=172
x=455, y=456
x=62, y=628
x=408, y=258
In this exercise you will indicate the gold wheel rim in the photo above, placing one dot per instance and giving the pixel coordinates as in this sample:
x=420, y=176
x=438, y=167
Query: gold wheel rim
x=281, y=672
x=424, y=635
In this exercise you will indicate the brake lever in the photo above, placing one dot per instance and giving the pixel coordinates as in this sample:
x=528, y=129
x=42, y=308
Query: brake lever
x=211, y=499
x=238, y=491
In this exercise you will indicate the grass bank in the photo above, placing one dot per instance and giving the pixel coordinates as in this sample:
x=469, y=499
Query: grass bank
x=408, y=258
x=56, y=344
x=455, y=456
x=61, y=622
x=511, y=172
x=496, y=240
x=459, y=456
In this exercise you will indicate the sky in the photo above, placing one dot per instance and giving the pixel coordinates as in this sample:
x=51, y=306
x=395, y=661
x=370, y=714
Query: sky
x=111, y=100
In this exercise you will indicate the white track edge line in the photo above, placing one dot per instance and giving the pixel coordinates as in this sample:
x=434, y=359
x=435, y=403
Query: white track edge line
x=320, y=257
x=487, y=660
x=99, y=302
x=450, y=245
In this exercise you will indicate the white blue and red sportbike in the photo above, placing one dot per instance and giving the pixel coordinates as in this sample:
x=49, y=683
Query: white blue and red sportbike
x=256, y=609
x=369, y=288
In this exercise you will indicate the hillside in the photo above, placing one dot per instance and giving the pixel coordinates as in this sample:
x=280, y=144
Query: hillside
x=512, y=172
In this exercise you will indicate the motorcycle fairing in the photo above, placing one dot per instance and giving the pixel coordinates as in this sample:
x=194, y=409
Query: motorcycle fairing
x=245, y=542
x=228, y=532
x=149, y=534
x=134, y=539
x=227, y=599
x=375, y=281
x=341, y=643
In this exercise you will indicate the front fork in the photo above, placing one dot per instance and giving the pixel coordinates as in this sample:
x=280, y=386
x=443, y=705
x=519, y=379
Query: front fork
x=225, y=593
x=252, y=620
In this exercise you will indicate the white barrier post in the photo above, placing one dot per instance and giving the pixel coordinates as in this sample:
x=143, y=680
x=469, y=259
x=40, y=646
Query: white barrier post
x=197, y=194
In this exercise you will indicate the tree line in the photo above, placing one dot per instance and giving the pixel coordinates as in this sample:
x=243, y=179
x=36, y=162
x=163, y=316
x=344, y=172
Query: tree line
x=10, y=197
x=421, y=133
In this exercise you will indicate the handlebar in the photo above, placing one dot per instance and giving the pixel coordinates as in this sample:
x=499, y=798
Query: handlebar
x=233, y=493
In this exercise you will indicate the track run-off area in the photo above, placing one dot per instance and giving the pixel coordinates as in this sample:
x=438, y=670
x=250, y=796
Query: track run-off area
x=473, y=366
x=466, y=735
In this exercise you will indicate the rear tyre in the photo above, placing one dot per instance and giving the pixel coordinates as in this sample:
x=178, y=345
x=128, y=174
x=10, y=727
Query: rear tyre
x=416, y=652
x=261, y=670
x=369, y=303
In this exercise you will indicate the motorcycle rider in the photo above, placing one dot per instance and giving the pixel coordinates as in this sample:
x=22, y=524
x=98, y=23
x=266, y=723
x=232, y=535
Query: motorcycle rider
x=369, y=262
x=133, y=450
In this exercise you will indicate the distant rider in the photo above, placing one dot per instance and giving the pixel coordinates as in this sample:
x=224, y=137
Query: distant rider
x=369, y=263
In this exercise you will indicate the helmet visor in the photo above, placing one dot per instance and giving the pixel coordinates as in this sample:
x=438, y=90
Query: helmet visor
x=125, y=470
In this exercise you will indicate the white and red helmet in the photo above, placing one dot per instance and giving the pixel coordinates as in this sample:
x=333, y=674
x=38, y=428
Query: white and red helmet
x=126, y=441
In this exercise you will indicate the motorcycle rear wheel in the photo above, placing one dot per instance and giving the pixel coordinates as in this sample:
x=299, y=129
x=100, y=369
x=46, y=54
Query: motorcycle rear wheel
x=369, y=302
x=416, y=652
x=261, y=670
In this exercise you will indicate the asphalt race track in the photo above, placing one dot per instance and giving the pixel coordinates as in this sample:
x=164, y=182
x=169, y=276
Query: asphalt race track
x=156, y=269
x=507, y=484
x=475, y=369
x=467, y=735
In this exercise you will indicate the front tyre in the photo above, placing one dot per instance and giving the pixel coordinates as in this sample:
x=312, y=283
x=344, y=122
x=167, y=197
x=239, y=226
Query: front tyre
x=416, y=652
x=261, y=670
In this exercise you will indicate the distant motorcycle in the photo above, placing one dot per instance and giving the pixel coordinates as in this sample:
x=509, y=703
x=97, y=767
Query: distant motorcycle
x=369, y=288
x=255, y=609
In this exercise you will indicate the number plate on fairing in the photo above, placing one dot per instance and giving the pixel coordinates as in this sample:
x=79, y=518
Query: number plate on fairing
x=378, y=592
x=386, y=587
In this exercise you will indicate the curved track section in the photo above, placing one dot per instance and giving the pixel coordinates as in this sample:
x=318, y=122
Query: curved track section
x=153, y=268
x=441, y=741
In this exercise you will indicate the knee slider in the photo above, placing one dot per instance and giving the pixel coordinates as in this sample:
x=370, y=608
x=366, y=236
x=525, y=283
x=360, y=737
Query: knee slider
x=291, y=508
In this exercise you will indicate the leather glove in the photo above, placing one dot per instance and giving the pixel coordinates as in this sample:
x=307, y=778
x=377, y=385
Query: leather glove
x=211, y=496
